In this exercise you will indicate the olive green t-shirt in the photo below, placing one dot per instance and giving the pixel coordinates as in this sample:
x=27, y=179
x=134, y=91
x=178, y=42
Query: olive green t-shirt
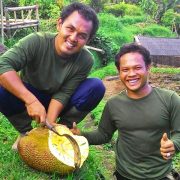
x=140, y=124
x=40, y=65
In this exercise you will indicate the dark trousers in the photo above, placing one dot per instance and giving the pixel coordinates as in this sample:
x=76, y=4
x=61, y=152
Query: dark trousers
x=85, y=98
x=119, y=177
x=173, y=174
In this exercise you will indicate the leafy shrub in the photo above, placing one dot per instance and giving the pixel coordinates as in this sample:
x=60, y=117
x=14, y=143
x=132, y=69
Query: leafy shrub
x=97, y=5
x=171, y=19
x=47, y=8
x=101, y=73
x=105, y=44
x=134, y=30
x=121, y=37
x=104, y=39
x=158, y=31
x=113, y=28
x=10, y=3
x=150, y=7
x=112, y=34
x=10, y=42
x=110, y=22
x=132, y=10
x=116, y=10
x=132, y=19
x=168, y=17
x=122, y=9
x=54, y=11
x=48, y=25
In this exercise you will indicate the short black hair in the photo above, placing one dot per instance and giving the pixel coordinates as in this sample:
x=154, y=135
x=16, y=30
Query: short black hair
x=133, y=47
x=85, y=11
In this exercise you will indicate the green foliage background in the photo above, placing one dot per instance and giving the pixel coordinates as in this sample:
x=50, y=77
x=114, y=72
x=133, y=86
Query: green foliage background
x=119, y=23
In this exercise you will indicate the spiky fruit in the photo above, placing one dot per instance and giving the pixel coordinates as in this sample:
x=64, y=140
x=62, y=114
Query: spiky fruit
x=43, y=150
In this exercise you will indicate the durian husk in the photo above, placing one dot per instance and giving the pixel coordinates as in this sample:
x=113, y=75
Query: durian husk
x=37, y=150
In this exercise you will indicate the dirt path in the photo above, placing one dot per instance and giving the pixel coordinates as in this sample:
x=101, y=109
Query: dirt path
x=170, y=81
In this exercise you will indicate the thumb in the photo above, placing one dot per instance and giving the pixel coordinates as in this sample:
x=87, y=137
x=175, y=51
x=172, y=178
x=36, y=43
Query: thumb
x=74, y=126
x=164, y=137
x=75, y=129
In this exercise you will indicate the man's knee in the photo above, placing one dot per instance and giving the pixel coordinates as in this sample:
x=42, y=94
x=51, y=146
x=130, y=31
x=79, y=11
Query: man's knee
x=9, y=104
x=88, y=95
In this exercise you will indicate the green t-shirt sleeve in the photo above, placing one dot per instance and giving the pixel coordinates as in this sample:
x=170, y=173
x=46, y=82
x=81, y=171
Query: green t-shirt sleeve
x=105, y=130
x=17, y=57
x=175, y=120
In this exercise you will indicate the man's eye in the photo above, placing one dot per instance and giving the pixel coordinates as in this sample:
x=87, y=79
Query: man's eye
x=138, y=67
x=83, y=36
x=69, y=28
x=124, y=70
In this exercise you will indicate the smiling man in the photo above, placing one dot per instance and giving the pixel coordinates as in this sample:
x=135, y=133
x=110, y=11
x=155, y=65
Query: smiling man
x=147, y=120
x=54, y=68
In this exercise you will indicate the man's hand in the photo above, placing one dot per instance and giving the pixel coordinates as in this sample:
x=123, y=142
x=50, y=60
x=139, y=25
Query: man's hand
x=11, y=81
x=75, y=130
x=37, y=111
x=167, y=148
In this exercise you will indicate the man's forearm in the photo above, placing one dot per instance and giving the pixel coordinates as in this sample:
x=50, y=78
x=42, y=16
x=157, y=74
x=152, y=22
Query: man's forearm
x=12, y=82
x=54, y=110
x=96, y=137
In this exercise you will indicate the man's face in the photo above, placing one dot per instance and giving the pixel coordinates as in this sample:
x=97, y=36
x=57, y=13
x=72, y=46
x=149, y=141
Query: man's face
x=73, y=34
x=134, y=72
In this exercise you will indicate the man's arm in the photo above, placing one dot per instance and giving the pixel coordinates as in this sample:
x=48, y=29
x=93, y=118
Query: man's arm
x=171, y=146
x=103, y=133
x=175, y=121
x=12, y=82
x=54, y=109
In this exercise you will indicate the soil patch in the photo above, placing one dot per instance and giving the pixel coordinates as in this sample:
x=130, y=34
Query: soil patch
x=169, y=81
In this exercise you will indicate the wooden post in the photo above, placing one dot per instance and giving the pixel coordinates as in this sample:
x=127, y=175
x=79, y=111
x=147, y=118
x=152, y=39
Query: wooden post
x=2, y=25
x=37, y=17
x=7, y=22
x=15, y=18
x=22, y=15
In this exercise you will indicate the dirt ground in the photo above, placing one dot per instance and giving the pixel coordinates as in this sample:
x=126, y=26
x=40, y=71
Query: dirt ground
x=169, y=81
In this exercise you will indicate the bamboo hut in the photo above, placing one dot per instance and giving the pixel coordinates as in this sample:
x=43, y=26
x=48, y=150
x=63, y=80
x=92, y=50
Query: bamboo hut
x=164, y=51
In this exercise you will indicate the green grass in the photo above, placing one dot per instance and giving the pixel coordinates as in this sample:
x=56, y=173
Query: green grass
x=109, y=70
x=166, y=70
x=12, y=167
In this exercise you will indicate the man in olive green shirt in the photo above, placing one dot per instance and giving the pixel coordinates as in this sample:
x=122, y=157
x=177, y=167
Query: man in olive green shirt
x=147, y=120
x=53, y=73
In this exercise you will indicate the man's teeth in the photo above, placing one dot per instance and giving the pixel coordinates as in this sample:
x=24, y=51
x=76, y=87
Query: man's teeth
x=69, y=44
x=133, y=81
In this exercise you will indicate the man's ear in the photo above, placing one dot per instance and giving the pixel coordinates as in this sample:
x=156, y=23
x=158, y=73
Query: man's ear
x=148, y=67
x=59, y=24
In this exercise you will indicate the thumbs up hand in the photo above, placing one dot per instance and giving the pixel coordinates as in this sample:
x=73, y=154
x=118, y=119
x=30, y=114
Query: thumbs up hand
x=167, y=148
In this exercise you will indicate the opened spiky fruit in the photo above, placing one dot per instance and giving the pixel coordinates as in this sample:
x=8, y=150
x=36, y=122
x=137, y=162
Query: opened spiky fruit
x=44, y=150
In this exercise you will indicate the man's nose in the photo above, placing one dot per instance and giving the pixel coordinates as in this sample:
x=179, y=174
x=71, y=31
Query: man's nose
x=131, y=72
x=74, y=37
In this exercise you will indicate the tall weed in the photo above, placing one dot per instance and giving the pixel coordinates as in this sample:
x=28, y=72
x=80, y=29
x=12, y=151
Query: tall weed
x=157, y=31
x=128, y=20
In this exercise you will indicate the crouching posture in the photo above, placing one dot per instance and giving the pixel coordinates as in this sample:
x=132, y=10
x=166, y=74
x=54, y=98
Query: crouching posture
x=147, y=120
x=53, y=73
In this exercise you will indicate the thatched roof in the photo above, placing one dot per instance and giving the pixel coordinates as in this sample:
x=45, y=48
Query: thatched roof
x=160, y=46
